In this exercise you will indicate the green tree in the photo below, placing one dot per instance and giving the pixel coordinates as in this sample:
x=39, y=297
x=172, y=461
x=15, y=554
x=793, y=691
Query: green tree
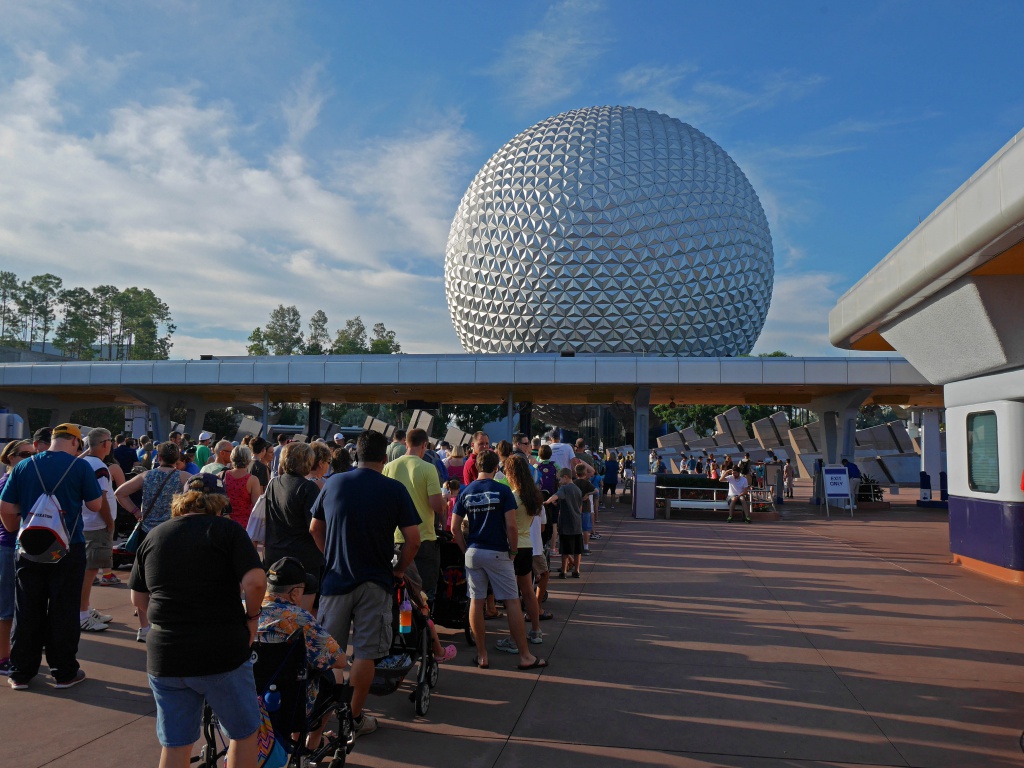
x=383, y=341
x=700, y=417
x=351, y=340
x=875, y=415
x=105, y=310
x=78, y=330
x=45, y=291
x=319, y=340
x=257, y=344
x=140, y=313
x=10, y=318
x=283, y=332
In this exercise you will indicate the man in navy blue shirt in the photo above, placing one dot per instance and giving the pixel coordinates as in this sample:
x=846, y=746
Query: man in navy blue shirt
x=855, y=477
x=490, y=549
x=354, y=521
x=48, y=594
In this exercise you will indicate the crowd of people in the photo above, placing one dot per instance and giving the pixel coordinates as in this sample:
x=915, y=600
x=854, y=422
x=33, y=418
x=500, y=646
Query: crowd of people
x=339, y=524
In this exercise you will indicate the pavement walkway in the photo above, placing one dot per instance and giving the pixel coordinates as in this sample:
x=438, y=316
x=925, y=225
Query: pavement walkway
x=803, y=642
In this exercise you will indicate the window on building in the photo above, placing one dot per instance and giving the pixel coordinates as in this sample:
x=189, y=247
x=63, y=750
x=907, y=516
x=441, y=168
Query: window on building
x=982, y=452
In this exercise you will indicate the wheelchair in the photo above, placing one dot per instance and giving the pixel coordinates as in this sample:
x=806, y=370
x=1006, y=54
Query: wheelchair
x=282, y=678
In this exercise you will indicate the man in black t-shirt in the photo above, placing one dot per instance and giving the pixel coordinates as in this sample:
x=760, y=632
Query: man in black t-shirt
x=354, y=521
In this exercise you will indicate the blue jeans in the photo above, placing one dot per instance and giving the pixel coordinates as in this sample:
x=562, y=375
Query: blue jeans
x=46, y=605
x=179, y=705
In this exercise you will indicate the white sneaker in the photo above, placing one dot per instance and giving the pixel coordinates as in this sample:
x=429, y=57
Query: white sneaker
x=535, y=636
x=141, y=634
x=92, y=624
x=366, y=726
x=508, y=645
x=102, y=617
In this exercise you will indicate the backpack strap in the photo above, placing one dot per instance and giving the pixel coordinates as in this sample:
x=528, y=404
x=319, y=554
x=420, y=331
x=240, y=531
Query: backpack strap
x=50, y=493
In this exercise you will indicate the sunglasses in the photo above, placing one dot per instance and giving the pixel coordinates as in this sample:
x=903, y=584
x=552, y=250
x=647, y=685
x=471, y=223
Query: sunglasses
x=24, y=454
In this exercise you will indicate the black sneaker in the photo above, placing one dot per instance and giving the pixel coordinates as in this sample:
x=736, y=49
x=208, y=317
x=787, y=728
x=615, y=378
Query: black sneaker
x=79, y=677
x=747, y=519
x=561, y=574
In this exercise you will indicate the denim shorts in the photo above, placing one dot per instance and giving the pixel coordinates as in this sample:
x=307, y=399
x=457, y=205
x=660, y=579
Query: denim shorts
x=7, y=583
x=179, y=705
x=588, y=522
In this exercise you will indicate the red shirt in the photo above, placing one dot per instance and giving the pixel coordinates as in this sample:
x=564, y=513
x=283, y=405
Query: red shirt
x=469, y=470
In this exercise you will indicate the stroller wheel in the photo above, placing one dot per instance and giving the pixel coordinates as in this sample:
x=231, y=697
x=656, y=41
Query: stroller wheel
x=422, y=699
x=433, y=671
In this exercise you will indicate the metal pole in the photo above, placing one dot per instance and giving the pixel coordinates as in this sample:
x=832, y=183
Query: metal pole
x=266, y=413
x=511, y=407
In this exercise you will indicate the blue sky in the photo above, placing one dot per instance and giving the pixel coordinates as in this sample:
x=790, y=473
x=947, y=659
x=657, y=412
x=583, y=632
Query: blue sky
x=233, y=156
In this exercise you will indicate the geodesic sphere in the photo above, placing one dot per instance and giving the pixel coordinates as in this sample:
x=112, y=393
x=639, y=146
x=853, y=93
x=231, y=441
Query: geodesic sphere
x=610, y=229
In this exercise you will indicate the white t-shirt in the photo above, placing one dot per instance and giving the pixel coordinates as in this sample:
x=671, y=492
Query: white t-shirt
x=737, y=485
x=91, y=521
x=535, y=541
x=562, y=454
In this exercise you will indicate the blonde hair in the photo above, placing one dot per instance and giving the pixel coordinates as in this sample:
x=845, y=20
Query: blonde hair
x=321, y=455
x=296, y=459
x=196, y=501
x=458, y=452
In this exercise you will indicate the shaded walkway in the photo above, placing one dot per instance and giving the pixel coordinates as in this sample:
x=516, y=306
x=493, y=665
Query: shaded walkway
x=687, y=643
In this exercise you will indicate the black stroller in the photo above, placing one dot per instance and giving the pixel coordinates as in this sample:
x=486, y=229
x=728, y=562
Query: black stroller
x=451, y=602
x=407, y=650
x=282, y=677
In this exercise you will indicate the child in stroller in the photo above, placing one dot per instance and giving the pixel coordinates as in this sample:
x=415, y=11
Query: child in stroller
x=419, y=644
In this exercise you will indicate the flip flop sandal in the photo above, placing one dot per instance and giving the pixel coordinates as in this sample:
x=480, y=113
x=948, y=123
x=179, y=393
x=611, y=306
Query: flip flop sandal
x=546, y=616
x=538, y=663
x=476, y=662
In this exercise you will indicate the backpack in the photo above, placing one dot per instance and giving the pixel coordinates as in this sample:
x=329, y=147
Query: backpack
x=44, y=536
x=548, y=476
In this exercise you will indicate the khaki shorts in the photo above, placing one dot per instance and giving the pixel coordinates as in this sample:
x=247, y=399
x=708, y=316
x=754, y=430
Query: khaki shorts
x=367, y=612
x=99, y=550
x=540, y=566
x=486, y=566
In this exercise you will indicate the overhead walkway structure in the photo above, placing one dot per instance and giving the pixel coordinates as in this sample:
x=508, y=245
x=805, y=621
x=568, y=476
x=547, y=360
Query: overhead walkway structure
x=832, y=387
x=948, y=298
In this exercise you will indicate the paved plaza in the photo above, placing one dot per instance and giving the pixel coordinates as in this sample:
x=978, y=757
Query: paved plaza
x=802, y=642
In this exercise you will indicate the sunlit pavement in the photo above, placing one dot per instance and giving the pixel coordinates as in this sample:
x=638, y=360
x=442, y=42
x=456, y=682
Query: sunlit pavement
x=690, y=642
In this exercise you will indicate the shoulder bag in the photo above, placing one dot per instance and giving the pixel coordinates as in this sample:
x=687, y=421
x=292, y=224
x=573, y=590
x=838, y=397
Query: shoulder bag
x=134, y=541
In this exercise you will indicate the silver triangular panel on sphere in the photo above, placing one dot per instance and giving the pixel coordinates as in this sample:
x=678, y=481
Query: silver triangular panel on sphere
x=618, y=229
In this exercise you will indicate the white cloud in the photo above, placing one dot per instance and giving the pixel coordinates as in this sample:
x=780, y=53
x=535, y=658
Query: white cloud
x=162, y=198
x=681, y=91
x=797, y=321
x=302, y=107
x=547, y=63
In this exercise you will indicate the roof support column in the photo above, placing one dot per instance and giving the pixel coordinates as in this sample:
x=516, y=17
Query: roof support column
x=266, y=414
x=511, y=411
x=837, y=429
x=931, y=454
x=837, y=424
x=643, y=481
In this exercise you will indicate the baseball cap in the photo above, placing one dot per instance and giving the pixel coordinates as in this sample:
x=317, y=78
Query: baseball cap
x=67, y=430
x=338, y=436
x=43, y=435
x=289, y=571
x=205, y=436
x=207, y=483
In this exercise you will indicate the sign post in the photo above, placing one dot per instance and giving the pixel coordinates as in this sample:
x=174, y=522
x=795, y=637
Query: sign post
x=837, y=487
